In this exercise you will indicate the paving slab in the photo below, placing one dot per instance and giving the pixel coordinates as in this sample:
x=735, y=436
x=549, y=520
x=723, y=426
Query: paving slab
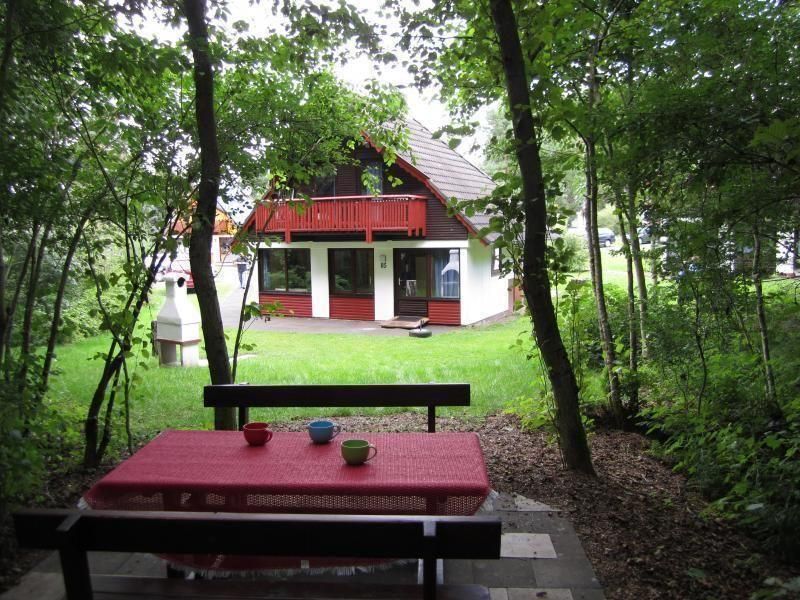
x=539, y=594
x=506, y=572
x=588, y=594
x=565, y=572
x=568, y=546
x=538, y=522
x=524, y=504
x=38, y=586
x=526, y=545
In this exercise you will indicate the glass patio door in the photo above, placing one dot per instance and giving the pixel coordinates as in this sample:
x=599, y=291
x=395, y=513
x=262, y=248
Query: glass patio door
x=412, y=283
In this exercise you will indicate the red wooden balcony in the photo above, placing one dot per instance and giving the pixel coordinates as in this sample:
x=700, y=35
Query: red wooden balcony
x=344, y=214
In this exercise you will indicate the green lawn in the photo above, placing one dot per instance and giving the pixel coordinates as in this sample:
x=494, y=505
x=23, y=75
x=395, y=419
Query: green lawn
x=171, y=397
x=615, y=270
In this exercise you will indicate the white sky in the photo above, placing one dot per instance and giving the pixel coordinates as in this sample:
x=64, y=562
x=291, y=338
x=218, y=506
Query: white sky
x=425, y=106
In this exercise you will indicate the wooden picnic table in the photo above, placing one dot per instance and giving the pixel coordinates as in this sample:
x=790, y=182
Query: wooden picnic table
x=413, y=473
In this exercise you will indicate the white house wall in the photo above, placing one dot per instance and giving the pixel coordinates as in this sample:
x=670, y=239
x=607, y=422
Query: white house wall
x=482, y=296
x=320, y=292
x=384, y=282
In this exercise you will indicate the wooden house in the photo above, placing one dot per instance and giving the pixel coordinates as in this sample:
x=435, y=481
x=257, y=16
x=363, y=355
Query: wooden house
x=372, y=254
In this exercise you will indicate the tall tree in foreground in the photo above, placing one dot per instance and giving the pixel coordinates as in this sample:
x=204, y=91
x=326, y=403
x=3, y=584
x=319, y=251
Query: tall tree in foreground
x=535, y=277
x=203, y=219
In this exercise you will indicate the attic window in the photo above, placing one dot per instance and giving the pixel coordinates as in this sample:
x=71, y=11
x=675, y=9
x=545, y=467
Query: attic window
x=372, y=177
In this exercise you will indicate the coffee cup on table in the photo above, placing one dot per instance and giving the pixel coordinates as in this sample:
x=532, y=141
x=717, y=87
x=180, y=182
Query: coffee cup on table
x=322, y=432
x=257, y=433
x=357, y=452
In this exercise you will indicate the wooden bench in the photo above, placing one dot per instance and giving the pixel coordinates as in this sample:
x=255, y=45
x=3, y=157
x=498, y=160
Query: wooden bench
x=428, y=395
x=74, y=532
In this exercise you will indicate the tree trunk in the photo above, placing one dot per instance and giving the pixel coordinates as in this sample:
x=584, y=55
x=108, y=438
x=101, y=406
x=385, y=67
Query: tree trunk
x=596, y=269
x=59, y=301
x=535, y=279
x=30, y=304
x=763, y=331
x=10, y=310
x=203, y=219
x=638, y=264
x=242, y=310
x=5, y=64
x=593, y=239
x=91, y=456
x=8, y=50
x=633, y=329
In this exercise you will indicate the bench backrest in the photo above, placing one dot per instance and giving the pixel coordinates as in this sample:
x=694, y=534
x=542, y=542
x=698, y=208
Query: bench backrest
x=429, y=395
x=74, y=533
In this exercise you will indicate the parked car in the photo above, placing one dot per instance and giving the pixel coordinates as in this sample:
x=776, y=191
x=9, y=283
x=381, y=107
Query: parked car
x=606, y=236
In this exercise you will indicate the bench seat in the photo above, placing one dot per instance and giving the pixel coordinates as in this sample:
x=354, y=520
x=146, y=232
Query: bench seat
x=129, y=588
x=74, y=533
x=373, y=395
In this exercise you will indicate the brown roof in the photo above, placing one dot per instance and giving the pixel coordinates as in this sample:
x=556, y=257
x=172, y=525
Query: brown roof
x=452, y=175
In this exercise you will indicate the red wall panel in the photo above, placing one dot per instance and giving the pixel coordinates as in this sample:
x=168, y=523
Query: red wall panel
x=353, y=308
x=444, y=312
x=293, y=305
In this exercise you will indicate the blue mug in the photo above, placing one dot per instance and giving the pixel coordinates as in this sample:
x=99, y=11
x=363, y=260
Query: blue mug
x=322, y=432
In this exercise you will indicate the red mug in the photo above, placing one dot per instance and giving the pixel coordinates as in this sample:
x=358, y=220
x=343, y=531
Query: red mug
x=257, y=433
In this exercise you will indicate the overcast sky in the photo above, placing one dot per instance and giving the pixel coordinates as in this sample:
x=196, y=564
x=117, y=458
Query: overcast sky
x=425, y=106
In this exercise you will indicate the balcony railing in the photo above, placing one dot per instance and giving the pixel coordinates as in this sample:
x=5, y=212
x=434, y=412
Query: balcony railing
x=344, y=214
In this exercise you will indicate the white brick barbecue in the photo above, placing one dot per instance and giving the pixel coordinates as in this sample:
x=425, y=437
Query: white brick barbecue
x=178, y=324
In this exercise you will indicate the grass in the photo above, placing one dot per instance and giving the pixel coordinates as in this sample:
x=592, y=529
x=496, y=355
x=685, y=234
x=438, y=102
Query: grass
x=487, y=358
x=615, y=270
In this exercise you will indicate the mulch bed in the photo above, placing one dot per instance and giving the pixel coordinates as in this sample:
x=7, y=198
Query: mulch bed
x=638, y=524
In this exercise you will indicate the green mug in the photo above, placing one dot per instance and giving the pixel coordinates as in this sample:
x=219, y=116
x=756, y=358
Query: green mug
x=356, y=452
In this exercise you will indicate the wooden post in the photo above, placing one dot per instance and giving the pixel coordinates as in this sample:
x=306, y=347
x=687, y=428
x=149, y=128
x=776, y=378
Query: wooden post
x=429, y=562
x=74, y=563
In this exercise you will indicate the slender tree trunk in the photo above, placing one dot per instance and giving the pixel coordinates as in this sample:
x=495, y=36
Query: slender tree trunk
x=105, y=440
x=596, y=269
x=113, y=361
x=3, y=283
x=30, y=304
x=240, y=328
x=638, y=263
x=699, y=341
x=11, y=309
x=59, y=301
x=203, y=219
x=536, y=283
x=5, y=64
x=633, y=315
x=9, y=31
x=763, y=331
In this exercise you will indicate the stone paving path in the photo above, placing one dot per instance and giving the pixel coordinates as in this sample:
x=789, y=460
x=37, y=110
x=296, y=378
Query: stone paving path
x=541, y=559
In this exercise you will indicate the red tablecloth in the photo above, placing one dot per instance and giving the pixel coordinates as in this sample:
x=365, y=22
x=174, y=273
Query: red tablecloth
x=413, y=473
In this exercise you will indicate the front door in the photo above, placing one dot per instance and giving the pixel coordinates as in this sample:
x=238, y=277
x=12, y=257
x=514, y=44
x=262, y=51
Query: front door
x=412, y=285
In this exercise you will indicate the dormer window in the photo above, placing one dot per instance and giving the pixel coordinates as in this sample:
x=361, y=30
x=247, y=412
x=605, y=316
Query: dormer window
x=372, y=177
x=324, y=186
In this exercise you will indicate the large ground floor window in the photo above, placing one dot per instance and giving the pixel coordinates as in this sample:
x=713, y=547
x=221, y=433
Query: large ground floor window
x=284, y=270
x=428, y=273
x=351, y=272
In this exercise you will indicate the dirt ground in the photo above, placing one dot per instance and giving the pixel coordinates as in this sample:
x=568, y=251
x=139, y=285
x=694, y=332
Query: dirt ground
x=641, y=529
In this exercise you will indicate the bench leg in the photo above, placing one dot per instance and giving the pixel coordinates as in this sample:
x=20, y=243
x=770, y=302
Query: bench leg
x=173, y=573
x=75, y=569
